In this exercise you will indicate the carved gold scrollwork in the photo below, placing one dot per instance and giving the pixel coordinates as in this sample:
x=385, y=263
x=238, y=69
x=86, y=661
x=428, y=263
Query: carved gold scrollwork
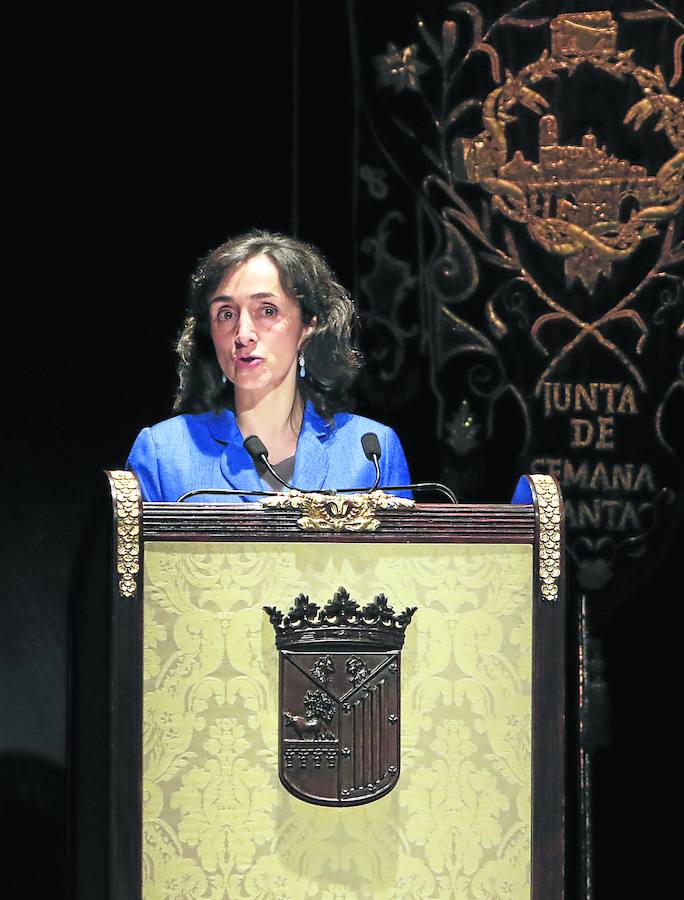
x=127, y=508
x=338, y=512
x=549, y=510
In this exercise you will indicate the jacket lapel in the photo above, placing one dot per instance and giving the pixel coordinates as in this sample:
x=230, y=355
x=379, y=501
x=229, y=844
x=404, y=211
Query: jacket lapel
x=236, y=463
x=311, y=462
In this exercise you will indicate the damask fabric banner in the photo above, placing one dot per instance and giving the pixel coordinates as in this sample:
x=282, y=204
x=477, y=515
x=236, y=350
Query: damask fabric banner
x=218, y=823
x=522, y=163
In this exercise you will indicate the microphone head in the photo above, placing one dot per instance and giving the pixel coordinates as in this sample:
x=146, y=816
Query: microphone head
x=371, y=445
x=255, y=447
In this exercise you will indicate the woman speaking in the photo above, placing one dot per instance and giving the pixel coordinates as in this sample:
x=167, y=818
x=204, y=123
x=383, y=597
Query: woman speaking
x=265, y=350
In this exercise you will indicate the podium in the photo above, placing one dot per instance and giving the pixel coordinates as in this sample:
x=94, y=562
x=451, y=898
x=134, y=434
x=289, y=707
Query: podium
x=391, y=726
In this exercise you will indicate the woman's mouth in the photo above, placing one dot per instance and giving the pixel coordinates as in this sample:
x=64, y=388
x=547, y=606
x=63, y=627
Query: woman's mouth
x=247, y=362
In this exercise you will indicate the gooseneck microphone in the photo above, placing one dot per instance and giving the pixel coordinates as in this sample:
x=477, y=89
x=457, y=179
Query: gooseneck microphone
x=371, y=447
x=257, y=450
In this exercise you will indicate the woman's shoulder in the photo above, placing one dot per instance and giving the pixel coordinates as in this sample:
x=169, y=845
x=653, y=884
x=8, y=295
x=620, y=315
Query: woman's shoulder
x=185, y=424
x=348, y=429
x=348, y=434
x=352, y=422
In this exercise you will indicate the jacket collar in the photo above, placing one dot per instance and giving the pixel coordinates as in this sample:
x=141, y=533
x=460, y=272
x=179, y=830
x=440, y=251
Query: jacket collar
x=311, y=461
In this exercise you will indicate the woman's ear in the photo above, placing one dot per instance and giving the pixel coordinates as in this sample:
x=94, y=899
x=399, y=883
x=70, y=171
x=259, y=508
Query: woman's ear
x=308, y=330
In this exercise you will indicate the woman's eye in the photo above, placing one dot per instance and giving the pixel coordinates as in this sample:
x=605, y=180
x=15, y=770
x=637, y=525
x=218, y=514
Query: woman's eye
x=270, y=311
x=224, y=315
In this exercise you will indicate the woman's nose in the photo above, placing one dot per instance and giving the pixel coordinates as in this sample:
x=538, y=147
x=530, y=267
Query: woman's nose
x=246, y=332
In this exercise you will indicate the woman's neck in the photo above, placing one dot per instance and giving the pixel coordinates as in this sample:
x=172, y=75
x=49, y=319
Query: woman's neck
x=274, y=418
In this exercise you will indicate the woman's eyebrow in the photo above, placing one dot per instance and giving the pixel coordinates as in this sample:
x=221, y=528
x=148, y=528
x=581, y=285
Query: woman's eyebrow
x=259, y=295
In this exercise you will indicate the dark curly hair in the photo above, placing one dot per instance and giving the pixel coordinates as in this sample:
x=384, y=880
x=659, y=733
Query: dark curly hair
x=332, y=362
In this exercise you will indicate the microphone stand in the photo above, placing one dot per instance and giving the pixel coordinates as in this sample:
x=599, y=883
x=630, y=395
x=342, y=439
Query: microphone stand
x=225, y=492
x=331, y=492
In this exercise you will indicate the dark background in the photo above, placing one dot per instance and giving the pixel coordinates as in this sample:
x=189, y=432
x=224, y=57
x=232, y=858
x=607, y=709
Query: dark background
x=134, y=146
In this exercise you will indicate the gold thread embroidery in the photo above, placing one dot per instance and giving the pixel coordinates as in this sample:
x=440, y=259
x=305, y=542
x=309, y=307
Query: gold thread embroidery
x=548, y=504
x=126, y=496
x=570, y=200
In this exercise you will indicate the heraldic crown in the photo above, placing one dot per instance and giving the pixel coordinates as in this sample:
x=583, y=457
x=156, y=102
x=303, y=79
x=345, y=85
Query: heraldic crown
x=376, y=626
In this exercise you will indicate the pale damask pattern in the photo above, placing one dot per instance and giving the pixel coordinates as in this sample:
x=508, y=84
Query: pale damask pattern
x=217, y=823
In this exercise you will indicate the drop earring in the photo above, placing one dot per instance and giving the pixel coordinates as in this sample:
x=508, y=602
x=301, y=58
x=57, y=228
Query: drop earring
x=302, y=367
x=224, y=379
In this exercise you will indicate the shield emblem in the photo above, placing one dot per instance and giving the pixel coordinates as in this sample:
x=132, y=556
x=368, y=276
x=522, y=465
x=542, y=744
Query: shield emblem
x=339, y=708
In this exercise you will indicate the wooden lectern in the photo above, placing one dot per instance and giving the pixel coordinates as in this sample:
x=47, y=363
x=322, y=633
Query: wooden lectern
x=391, y=726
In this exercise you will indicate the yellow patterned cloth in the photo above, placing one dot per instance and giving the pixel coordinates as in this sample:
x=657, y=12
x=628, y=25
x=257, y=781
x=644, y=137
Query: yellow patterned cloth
x=216, y=821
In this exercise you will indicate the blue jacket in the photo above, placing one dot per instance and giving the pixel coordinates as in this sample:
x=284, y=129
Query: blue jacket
x=190, y=452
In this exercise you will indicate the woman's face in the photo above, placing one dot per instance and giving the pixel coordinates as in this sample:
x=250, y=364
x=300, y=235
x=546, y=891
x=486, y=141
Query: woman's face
x=257, y=329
